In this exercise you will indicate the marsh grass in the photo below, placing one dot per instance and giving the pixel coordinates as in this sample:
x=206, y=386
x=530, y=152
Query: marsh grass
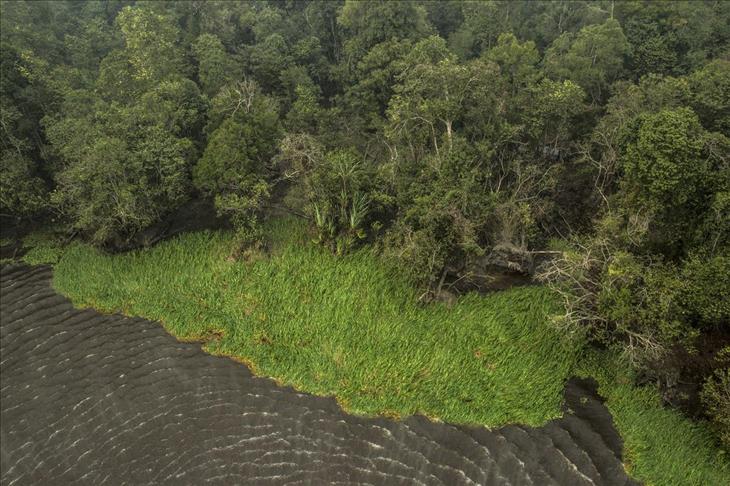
x=343, y=326
x=349, y=327
x=44, y=248
x=661, y=446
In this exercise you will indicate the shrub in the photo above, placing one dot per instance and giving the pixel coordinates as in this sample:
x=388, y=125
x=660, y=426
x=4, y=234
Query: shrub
x=114, y=186
x=338, y=187
x=716, y=399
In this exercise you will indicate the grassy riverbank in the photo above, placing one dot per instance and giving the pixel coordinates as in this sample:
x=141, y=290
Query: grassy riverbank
x=341, y=326
x=661, y=446
x=347, y=326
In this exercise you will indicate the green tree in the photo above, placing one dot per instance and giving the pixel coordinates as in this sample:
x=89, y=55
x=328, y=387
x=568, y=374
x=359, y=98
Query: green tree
x=151, y=43
x=667, y=175
x=445, y=15
x=647, y=309
x=138, y=128
x=710, y=96
x=550, y=119
x=22, y=193
x=517, y=62
x=544, y=22
x=593, y=58
x=215, y=67
x=673, y=38
x=176, y=105
x=233, y=168
x=306, y=113
x=483, y=22
x=116, y=80
x=267, y=59
x=436, y=93
x=372, y=87
x=111, y=188
x=369, y=23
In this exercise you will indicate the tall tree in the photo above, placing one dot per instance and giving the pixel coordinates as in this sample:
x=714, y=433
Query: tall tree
x=233, y=167
x=594, y=58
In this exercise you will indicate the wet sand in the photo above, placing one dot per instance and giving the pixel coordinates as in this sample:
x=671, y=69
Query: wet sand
x=87, y=398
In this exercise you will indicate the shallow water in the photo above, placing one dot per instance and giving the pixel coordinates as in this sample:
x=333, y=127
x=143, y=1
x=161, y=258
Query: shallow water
x=96, y=399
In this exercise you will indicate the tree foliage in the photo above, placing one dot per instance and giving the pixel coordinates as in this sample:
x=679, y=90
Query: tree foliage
x=593, y=58
x=233, y=166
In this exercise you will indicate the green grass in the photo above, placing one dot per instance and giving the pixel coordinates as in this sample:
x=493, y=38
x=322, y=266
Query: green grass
x=339, y=326
x=661, y=446
x=350, y=327
x=44, y=247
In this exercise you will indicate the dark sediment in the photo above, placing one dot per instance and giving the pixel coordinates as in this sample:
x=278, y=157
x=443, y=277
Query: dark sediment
x=105, y=399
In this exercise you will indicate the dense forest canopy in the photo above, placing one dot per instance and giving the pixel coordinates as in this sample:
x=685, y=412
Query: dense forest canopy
x=581, y=142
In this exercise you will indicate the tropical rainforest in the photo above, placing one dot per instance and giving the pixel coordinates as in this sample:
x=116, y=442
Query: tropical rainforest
x=579, y=147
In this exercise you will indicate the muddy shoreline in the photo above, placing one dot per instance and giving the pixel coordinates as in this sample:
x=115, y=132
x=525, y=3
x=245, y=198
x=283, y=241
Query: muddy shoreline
x=96, y=399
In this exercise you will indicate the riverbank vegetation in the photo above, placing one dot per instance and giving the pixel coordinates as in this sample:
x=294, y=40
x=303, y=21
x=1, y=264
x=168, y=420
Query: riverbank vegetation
x=468, y=145
x=339, y=326
x=349, y=327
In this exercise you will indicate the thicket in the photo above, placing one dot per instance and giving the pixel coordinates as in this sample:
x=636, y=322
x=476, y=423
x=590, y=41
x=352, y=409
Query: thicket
x=459, y=138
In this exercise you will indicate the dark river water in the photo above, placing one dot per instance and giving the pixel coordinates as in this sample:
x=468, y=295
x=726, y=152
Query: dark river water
x=100, y=399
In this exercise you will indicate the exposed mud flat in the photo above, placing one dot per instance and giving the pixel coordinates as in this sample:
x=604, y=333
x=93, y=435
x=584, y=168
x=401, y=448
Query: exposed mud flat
x=105, y=399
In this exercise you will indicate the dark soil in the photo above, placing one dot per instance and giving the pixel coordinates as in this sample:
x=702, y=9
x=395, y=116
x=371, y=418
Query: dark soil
x=683, y=390
x=13, y=231
x=12, y=250
x=100, y=399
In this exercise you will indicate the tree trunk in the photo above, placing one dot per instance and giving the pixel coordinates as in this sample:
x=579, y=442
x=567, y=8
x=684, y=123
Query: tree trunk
x=449, y=133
